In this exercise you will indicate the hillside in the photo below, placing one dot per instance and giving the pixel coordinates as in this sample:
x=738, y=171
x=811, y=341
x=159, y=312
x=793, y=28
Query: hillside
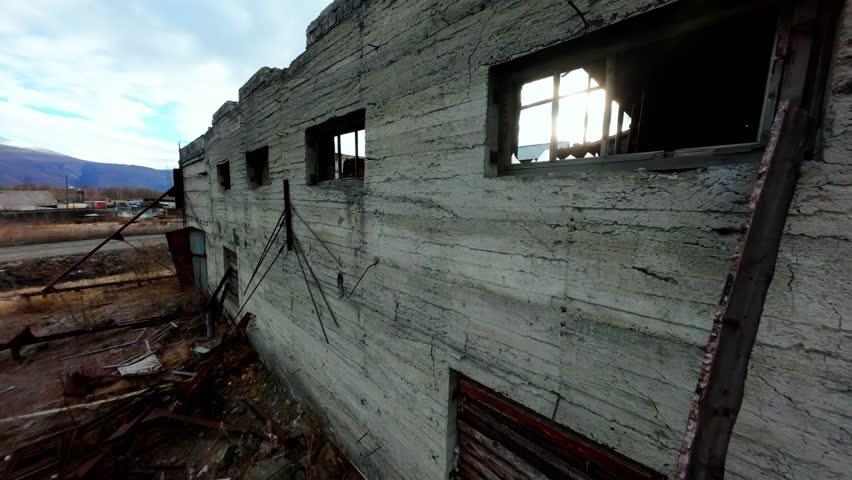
x=43, y=167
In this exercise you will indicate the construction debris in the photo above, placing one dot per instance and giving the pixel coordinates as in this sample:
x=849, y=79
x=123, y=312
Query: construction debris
x=124, y=411
x=147, y=365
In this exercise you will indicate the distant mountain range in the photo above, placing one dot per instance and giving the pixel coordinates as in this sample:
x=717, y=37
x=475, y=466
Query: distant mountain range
x=25, y=165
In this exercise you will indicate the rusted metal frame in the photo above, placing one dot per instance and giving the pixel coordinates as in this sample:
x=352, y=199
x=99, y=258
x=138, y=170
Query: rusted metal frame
x=115, y=235
x=721, y=382
x=300, y=251
x=26, y=336
x=563, y=443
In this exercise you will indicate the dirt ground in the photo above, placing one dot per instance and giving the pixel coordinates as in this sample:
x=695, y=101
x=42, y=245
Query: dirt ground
x=36, y=233
x=38, y=272
x=193, y=418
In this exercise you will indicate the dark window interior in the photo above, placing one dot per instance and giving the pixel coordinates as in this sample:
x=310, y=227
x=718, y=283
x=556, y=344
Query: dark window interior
x=698, y=89
x=257, y=167
x=336, y=149
x=223, y=171
x=663, y=87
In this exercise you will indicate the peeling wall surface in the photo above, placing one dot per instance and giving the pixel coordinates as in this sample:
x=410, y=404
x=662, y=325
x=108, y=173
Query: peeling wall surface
x=595, y=287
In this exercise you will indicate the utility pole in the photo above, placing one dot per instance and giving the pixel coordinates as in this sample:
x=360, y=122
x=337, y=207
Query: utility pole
x=66, y=192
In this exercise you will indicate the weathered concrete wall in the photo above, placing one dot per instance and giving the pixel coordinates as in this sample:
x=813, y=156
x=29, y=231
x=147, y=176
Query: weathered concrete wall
x=598, y=287
x=796, y=420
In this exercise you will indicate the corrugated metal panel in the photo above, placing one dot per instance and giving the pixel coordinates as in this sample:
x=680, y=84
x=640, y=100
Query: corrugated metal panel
x=500, y=439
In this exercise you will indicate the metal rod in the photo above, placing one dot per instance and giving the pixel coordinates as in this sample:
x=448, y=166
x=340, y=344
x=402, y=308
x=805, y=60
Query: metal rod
x=300, y=251
x=361, y=278
x=316, y=309
x=275, y=231
x=296, y=212
x=149, y=256
x=280, y=251
x=116, y=234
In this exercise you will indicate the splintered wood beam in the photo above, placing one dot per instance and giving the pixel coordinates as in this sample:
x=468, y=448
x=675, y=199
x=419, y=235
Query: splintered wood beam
x=721, y=382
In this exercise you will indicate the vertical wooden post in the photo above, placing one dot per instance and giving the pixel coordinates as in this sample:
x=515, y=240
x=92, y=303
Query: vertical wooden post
x=721, y=384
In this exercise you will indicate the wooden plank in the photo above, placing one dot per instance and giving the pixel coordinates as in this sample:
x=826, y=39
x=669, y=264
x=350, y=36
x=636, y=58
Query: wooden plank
x=557, y=440
x=721, y=382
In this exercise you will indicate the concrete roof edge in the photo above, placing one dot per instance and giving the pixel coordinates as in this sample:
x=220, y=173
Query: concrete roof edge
x=331, y=15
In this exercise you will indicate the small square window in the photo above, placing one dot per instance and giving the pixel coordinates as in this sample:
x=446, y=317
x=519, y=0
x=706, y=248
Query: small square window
x=337, y=149
x=223, y=171
x=257, y=167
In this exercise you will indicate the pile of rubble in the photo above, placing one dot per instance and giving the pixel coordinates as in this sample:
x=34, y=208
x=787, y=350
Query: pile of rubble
x=157, y=399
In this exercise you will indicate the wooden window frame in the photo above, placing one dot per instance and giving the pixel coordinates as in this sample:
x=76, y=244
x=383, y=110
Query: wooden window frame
x=663, y=23
x=333, y=128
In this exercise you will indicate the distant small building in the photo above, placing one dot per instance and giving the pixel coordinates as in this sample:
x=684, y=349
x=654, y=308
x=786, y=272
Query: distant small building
x=14, y=200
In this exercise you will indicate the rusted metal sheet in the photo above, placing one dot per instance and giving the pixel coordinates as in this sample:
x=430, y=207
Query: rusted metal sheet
x=189, y=256
x=501, y=439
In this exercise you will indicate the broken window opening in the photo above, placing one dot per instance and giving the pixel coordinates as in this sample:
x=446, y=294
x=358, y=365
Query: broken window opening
x=669, y=93
x=257, y=167
x=337, y=149
x=223, y=172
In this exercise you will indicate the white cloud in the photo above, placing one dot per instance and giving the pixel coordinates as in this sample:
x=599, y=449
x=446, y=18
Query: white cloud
x=135, y=78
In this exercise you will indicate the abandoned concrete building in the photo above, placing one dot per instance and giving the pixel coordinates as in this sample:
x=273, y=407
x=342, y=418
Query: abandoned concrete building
x=488, y=239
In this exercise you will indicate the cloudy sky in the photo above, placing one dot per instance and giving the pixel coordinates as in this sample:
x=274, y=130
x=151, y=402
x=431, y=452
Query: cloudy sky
x=125, y=81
